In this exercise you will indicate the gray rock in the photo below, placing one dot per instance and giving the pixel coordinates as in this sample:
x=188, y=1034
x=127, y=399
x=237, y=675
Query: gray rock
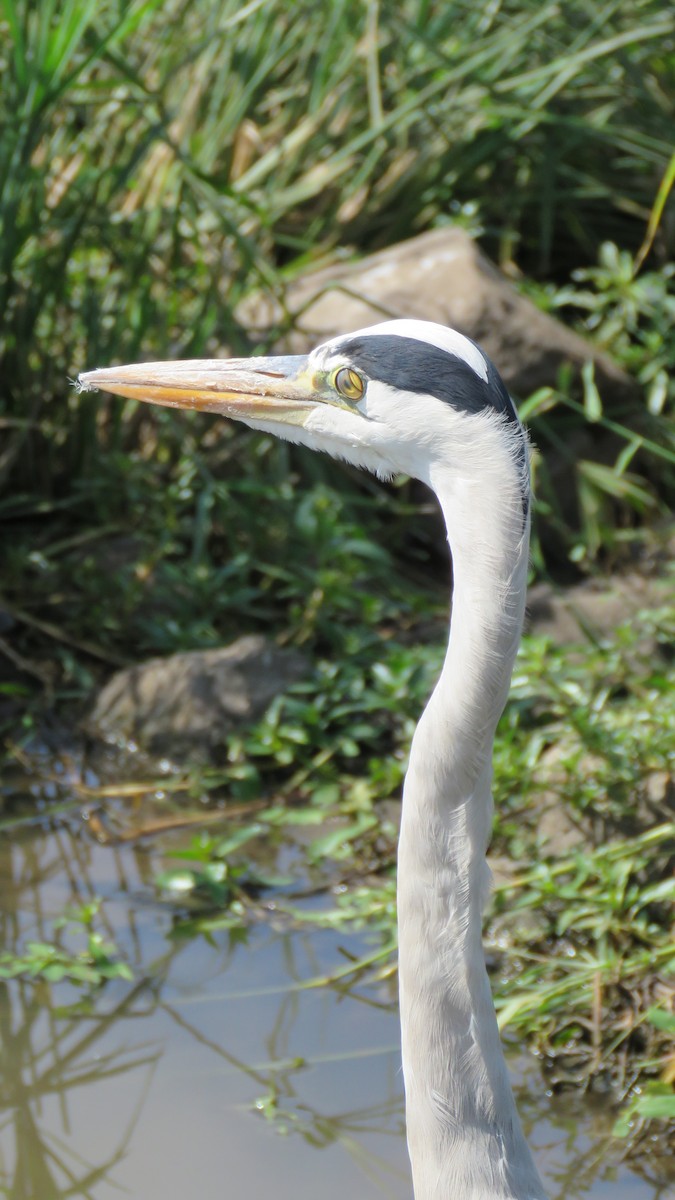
x=182, y=706
x=594, y=606
x=438, y=276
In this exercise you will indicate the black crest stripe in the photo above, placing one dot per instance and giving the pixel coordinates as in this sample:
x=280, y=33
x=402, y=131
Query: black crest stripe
x=419, y=367
x=416, y=366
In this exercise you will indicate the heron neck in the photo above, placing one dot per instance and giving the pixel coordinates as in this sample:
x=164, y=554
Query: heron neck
x=464, y=1133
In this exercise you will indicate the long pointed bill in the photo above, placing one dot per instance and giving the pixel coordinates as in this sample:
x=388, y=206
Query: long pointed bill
x=278, y=388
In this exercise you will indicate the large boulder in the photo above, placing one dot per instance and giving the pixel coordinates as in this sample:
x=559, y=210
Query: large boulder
x=594, y=607
x=182, y=706
x=438, y=276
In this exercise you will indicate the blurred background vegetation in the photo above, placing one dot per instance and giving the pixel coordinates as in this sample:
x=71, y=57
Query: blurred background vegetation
x=159, y=162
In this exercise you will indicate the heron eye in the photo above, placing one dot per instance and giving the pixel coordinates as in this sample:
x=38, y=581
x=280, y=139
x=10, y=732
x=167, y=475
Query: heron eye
x=348, y=383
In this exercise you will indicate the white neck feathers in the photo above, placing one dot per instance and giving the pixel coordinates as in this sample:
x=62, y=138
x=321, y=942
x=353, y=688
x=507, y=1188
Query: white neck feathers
x=464, y=1134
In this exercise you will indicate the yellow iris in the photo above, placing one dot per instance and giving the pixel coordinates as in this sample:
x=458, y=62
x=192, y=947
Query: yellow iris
x=348, y=383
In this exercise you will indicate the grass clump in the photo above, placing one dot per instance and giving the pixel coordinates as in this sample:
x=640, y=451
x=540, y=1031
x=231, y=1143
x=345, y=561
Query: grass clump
x=50, y=961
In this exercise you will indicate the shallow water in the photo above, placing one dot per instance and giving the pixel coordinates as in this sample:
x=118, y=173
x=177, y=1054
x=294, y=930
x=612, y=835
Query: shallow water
x=152, y=1092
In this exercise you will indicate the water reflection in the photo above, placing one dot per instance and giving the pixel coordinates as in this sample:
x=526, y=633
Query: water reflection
x=44, y=1061
x=185, y=1082
x=50, y=1058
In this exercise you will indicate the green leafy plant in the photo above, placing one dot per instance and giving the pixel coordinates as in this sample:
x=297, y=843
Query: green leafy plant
x=213, y=879
x=89, y=967
x=655, y=1100
x=623, y=461
x=632, y=316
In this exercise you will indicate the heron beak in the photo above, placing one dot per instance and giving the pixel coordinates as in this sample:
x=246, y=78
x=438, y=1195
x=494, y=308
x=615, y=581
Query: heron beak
x=279, y=388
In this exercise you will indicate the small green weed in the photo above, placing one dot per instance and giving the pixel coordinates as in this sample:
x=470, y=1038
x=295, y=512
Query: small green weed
x=655, y=1101
x=632, y=317
x=89, y=967
x=213, y=879
x=612, y=466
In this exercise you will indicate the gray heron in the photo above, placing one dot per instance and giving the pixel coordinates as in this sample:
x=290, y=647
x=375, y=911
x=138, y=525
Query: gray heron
x=420, y=399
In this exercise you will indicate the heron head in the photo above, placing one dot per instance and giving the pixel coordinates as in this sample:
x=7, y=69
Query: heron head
x=390, y=398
